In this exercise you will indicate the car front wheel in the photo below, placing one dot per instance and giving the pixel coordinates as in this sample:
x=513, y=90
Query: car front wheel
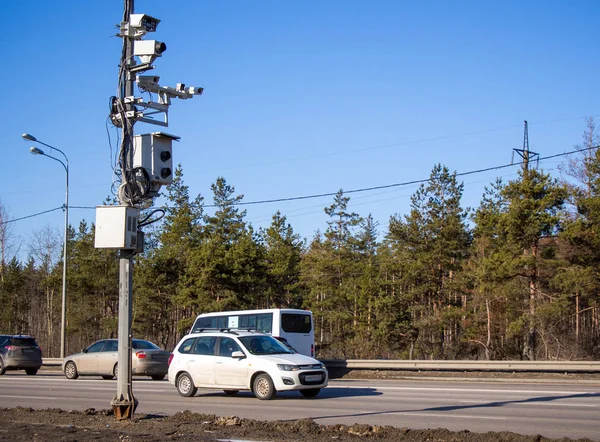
x=31, y=371
x=185, y=385
x=71, y=370
x=263, y=387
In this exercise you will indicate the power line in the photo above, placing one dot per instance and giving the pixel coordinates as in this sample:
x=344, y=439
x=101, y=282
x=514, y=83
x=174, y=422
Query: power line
x=363, y=189
x=31, y=216
x=387, y=186
x=396, y=144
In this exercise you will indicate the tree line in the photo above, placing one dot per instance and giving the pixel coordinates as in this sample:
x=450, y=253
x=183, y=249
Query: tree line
x=515, y=278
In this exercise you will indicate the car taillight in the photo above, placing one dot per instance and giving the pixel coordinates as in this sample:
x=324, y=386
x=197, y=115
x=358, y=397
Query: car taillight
x=312, y=350
x=11, y=347
x=170, y=358
x=140, y=354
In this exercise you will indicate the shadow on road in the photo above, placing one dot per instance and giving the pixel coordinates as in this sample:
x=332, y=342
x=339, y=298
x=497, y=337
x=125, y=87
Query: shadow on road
x=326, y=393
x=467, y=407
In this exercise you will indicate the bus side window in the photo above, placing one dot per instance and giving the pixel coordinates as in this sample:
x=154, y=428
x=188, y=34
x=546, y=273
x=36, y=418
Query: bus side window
x=264, y=323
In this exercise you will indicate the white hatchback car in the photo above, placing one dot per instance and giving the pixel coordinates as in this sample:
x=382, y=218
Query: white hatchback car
x=234, y=360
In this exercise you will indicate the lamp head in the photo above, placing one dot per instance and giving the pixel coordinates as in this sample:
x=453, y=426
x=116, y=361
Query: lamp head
x=36, y=151
x=29, y=137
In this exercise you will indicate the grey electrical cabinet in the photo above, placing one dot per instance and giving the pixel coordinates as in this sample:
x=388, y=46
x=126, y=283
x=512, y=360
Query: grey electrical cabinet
x=116, y=227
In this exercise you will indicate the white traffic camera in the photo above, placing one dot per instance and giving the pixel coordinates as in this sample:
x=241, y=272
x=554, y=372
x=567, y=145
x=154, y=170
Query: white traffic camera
x=143, y=22
x=138, y=25
x=148, y=50
x=149, y=83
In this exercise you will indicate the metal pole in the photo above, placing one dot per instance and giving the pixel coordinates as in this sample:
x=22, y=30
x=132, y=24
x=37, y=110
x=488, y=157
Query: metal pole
x=66, y=208
x=64, y=281
x=124, y=403
x=63, y=318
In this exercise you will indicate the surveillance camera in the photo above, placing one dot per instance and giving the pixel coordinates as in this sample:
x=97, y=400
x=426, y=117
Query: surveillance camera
x=148, y=82
x=194, y=90
x=148, y=50
x=143, y=21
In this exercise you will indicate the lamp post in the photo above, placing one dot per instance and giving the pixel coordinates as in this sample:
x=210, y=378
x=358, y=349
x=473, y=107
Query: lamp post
x=65, y=164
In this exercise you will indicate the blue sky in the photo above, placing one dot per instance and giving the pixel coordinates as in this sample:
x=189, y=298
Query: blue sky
x=301, y=97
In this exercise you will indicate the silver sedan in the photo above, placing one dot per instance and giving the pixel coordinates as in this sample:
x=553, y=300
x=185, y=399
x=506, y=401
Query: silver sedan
x=100, y=359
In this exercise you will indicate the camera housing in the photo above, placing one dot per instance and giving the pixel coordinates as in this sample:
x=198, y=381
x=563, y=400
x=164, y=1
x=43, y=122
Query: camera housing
x=148, y=50
x=143, y=22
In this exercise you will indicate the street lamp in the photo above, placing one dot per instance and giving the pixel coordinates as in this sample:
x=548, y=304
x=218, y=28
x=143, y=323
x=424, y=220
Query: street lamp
x=65, y=164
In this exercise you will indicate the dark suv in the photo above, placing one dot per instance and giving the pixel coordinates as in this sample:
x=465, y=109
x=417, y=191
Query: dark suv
x=19, y=352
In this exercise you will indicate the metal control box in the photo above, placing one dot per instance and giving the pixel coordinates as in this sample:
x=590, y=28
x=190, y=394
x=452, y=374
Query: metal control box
x=116, y=227
x=153, y=152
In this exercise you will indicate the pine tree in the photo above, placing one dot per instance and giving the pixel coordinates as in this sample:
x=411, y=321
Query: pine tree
x=431, y=244
x=225, y=271
x=283, y=249
x=580, y=244
x=160, y=302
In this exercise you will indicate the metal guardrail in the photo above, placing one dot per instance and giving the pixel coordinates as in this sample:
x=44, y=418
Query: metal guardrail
x=414, y=365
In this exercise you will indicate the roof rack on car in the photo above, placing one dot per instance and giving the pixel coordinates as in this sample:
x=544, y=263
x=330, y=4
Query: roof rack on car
x=224, y=330
x=231, y=330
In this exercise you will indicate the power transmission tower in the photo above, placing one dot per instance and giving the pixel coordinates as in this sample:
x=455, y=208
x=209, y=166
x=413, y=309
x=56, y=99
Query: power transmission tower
x=525, y=153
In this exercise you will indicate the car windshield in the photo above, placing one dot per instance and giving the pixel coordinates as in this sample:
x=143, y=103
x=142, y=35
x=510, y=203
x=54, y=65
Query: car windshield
x=264, y=345
x=144, y=345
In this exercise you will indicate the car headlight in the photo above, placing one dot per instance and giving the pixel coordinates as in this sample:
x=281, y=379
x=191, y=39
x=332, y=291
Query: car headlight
x=287, y=367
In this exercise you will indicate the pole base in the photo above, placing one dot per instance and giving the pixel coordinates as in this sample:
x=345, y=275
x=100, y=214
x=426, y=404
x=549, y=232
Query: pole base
x=124, y=408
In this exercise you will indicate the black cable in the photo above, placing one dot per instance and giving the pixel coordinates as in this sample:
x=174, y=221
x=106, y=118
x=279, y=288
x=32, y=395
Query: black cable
x=31, y=216
x=145, y=221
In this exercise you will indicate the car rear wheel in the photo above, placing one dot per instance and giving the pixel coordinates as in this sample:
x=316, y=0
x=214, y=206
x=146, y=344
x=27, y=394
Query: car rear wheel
x=107, y=377
x=185, y=385
x=231, y=392
x=311, y=392
x=263, y=387
x=158, y=377
x=116, y=371
x=31, y=371
x=71, y=370
x=2, y=367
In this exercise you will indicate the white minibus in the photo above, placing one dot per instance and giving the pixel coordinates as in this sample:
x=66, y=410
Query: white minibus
x=292, y=326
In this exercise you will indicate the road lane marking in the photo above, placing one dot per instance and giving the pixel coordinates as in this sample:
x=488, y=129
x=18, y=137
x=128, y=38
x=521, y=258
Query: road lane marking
x=475, y=390
x=30, y=397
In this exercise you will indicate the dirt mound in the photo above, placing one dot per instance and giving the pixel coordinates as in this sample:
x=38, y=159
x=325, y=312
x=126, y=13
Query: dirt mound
x=27, y=424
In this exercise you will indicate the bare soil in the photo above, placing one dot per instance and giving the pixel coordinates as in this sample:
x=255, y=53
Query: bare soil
x=26, y=424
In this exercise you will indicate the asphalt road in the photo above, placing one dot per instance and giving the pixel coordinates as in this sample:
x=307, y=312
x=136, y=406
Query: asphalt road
x=550, y=409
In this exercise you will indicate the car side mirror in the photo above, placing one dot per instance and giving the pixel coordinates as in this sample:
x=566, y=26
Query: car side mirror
x=84, y=350
x=238, y=354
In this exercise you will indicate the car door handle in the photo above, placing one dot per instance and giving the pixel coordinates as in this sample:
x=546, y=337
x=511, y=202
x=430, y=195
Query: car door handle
x=219, y=362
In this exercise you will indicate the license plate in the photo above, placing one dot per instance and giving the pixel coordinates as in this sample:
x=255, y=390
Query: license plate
x=28, y=350
x=313, y=377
